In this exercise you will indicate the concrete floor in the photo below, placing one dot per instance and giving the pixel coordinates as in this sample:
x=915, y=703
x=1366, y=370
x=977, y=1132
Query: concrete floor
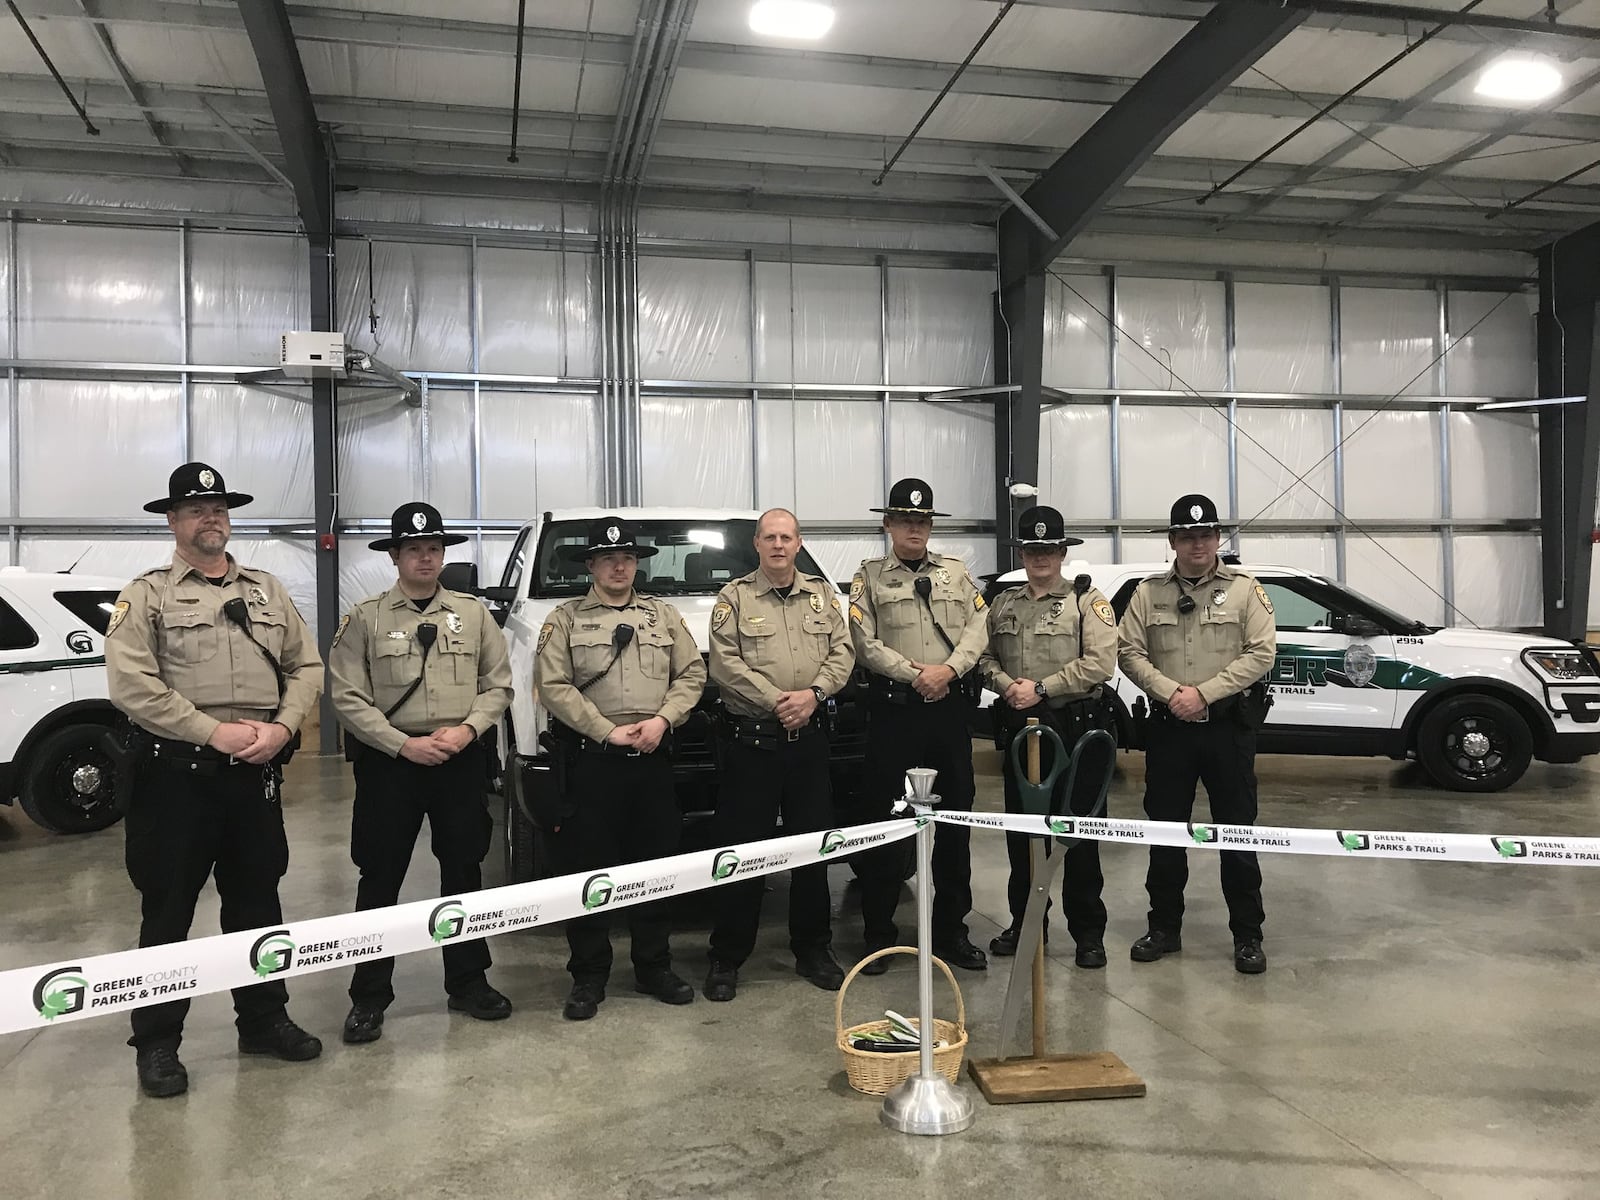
x=1424, y=1030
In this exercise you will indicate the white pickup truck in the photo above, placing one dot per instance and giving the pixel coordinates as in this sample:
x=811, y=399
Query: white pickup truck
x=698, y=550
x=1353, y=677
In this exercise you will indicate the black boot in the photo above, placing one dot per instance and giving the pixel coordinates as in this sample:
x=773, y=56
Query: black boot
x=820, y=967
x=583, y=1001
x=284, y=1039
x=362, y=1024
x=160, y=1072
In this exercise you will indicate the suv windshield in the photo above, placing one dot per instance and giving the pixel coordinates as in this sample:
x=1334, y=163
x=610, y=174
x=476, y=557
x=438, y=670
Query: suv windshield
x=694, y=558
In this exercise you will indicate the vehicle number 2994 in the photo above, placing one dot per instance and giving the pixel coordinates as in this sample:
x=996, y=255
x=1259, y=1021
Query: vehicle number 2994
x=1408, y=641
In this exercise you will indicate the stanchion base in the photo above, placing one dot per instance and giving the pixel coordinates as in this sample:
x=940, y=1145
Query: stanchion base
x=927, y=1106
x=1098, y=1076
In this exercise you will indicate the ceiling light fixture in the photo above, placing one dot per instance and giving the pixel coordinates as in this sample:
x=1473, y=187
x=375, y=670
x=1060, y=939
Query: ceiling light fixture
x=1520, y=79
x=799, y=19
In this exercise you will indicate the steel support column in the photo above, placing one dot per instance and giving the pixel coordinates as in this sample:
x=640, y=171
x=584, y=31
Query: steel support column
x=1019, y=361
x=309, y=168
x=1569, y=434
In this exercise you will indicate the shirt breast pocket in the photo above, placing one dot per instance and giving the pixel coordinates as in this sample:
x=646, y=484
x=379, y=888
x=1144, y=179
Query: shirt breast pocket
x=757, y=642
x=1223, y=632
x=591, y=652
x=817, y=628
x=270, y=628
x=458, y=662
x=188, y=635
x=655, y=652
x=1057, y=642
x=896, y=609
x=1166, y=635
x=394, y=662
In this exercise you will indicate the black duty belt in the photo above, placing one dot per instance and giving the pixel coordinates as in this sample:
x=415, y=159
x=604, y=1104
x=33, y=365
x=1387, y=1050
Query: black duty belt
x=765, y=732
x=186, y=756
x=893, y=691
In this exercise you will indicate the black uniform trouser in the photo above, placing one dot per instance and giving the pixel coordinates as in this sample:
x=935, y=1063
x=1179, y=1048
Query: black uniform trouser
x=899, y=737
x=755, y=787
x=393, y=795
x=181, y=829
x=1081, y=882
x=626, y=811
x=1222, y=755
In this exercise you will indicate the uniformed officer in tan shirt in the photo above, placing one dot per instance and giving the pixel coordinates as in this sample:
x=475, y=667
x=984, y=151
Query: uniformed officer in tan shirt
x=1052, y=648
x=617, y=671
x=215, y=668
x=418, y=675
x=779, y=649
x=917, y=619
x=1199, y=642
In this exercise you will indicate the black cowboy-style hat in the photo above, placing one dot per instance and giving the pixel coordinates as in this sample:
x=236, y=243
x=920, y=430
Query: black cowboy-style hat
x=1193, y=511
x=415, y=522
x=604, y=536
x=196, y=481
x=1043, y=528
x=910, y=498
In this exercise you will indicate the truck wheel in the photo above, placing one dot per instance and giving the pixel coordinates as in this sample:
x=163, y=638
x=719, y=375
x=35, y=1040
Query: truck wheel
x=520, y=857
x=68, y=781
x=1474, y=743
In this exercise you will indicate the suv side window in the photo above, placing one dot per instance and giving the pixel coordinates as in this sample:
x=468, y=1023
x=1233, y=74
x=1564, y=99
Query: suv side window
x=92, y=608
x=15, y=633
x=1296, y=612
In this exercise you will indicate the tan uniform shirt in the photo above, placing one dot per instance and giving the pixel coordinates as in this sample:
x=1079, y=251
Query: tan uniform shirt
x=1223, y=646
x=893, y=627
x=763, y=645
x=179, y=668
x=1039, y=640
x=660, y=674
x=376, y=656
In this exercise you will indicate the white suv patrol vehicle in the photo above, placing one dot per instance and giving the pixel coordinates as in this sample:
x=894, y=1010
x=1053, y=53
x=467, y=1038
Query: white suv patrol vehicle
x=54, y=715
x=1353, y=677
x=698, y=551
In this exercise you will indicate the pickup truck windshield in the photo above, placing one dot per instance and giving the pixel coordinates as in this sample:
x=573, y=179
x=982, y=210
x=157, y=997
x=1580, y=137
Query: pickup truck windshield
x=694, y=558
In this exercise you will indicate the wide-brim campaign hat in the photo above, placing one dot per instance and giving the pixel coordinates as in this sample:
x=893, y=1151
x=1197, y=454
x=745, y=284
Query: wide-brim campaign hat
x=196, y=481
x=608, y=535
x=1193, y=511
x=1043, y=528
x=910, y=498
x=416, y=522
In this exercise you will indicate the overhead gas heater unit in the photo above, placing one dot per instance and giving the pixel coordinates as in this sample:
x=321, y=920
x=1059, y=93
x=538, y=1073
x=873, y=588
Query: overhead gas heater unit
x=313, y=356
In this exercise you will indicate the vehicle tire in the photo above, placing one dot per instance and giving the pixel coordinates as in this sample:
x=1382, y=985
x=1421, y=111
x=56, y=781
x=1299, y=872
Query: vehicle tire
x=68, y=783
x=520, y=856
x=1474, y=743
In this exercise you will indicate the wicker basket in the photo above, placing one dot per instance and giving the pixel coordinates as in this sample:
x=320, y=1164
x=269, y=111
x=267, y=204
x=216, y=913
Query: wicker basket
x=879, y=1074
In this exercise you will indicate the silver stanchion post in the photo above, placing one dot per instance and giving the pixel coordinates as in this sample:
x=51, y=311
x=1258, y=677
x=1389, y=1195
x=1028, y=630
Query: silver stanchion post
x=927, y=1103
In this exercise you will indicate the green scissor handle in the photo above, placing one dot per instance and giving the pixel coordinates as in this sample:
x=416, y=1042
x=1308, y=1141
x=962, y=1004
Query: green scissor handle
x=1036, y=796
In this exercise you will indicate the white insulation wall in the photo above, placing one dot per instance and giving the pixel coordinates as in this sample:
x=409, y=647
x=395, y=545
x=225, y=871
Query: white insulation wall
x=1171, y=336
x=733, y=335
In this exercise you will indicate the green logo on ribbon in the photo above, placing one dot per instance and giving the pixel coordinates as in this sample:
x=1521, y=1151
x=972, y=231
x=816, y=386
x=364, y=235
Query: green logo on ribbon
x=725, y=864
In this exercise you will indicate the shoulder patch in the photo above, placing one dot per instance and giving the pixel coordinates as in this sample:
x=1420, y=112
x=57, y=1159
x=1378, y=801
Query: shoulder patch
x=1261, y=595
x=1102, y=609
x=545, y=631
x=856, y=614
x=118, y=615
x=344, y=623
x=858, y=585
x=720, y=615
